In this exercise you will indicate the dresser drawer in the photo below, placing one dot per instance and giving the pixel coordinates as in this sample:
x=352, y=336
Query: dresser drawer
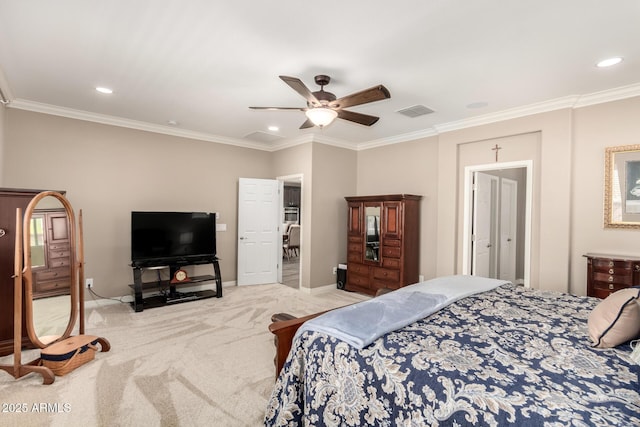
x=608, y=286
x=386, y=274
x=62, y=253
x=601, y=264
x=59, y=262
x=59, y=246
x=52, y=274
x=53, y=285
x=619, y=279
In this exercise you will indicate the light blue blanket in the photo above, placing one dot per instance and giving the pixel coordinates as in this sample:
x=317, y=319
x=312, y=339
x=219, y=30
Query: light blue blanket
x=360, y=324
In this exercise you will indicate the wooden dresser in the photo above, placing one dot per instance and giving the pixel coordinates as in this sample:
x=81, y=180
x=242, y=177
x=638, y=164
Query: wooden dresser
x=608, y=273
x=383, y=247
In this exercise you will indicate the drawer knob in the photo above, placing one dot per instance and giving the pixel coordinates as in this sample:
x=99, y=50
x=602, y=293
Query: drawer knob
x=610, y=263
x=611, y=286
x=637, y=267
x=611, y=278
x=611, y=271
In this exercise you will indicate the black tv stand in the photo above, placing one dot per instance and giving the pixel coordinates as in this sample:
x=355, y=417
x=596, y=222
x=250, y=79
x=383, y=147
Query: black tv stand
x=167, y=291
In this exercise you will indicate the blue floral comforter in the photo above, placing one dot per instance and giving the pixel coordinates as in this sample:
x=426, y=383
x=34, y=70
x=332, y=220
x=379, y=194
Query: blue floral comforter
x=511, y=356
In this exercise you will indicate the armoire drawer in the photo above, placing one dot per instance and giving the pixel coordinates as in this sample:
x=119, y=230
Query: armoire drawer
x=386, y=274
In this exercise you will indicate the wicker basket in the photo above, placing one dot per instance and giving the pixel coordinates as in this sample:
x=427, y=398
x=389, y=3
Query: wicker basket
x=66, y=355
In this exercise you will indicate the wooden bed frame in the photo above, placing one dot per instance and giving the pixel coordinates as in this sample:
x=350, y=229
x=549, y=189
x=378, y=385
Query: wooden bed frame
x=285, y=326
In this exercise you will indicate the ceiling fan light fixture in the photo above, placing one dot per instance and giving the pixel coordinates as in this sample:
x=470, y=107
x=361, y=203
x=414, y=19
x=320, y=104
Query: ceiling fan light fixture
x=321, y=116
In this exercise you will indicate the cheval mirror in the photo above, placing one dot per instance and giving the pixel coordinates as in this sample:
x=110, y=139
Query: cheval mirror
x=49, y=272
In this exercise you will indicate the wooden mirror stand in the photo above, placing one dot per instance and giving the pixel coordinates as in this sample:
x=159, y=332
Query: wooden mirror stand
x=23, y=289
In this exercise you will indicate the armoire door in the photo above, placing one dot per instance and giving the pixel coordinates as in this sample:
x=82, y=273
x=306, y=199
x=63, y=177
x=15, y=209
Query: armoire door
x=10, y=200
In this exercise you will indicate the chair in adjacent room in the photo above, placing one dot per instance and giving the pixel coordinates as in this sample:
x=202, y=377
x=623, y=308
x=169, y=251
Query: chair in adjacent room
x=292, y=245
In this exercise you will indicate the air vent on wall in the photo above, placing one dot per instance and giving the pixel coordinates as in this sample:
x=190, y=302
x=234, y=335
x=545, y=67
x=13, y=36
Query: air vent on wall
x=415, y=111
x=263, y=136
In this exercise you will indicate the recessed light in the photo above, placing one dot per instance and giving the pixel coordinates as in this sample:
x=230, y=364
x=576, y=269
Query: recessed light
x=609, y=62
x=273, y=128
x=104, y=90
x=172, y=122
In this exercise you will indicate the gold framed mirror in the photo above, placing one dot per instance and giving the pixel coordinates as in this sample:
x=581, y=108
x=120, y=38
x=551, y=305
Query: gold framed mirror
x=50, y=273
x=622, y=187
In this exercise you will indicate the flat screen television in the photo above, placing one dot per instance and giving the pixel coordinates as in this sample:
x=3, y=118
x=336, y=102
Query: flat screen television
x=172, y=238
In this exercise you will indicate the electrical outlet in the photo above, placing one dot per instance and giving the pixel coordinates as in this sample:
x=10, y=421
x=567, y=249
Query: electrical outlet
x=335, y=270
x=89, y=282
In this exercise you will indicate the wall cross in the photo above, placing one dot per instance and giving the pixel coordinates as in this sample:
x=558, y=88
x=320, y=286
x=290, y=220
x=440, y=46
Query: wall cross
x=496, y=148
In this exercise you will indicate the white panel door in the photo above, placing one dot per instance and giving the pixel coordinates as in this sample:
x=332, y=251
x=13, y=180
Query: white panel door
x=483, y=241
x=508, y=228
x=259, y=239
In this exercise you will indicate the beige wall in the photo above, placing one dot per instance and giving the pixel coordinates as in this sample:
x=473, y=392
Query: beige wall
x=328, y=175
x=410, y=168
x=551, y=269
x=515, y=148
x=109, y=171
x=598, y=127
x=334, y=177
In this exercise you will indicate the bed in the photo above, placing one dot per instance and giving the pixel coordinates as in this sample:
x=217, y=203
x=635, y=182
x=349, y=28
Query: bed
x=507, y=356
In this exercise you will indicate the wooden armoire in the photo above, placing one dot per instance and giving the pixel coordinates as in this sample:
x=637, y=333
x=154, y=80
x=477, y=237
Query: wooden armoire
x=383, y=248
x=10, y=200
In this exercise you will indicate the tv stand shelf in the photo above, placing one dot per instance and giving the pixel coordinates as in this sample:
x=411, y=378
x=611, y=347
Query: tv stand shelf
x=168, y=293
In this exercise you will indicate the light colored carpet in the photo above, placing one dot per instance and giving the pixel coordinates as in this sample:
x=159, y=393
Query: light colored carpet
x=200, y=363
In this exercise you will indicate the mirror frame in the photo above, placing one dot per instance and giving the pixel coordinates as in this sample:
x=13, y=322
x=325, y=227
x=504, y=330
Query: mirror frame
x=27, y=273
x=613, y=156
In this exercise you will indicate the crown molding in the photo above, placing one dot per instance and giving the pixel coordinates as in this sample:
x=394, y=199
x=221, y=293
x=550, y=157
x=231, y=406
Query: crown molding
x=572, y=101
x=55, y=110
x=608, y=95
x=405, y=137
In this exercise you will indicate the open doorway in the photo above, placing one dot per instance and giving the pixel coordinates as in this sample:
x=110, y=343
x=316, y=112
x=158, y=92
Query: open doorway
x=497, y=221
x=292, y=226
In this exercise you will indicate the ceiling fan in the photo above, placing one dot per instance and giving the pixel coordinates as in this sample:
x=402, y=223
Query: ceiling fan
x=323, y=107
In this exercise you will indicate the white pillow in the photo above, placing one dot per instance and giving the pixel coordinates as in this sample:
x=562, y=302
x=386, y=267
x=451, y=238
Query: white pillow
x=616, y=319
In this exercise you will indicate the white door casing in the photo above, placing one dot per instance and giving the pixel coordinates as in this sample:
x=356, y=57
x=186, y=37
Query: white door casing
x=259, y=238
x=468, y=209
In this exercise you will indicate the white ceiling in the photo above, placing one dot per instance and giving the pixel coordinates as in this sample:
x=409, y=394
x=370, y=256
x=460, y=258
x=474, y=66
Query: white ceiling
x=202, y=63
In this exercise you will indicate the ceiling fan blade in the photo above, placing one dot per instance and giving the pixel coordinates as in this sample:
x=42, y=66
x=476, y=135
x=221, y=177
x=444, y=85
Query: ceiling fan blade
x=375, y=93
x=363, y=119
x=278, y=108
x=307, y=124
x=297, y=85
